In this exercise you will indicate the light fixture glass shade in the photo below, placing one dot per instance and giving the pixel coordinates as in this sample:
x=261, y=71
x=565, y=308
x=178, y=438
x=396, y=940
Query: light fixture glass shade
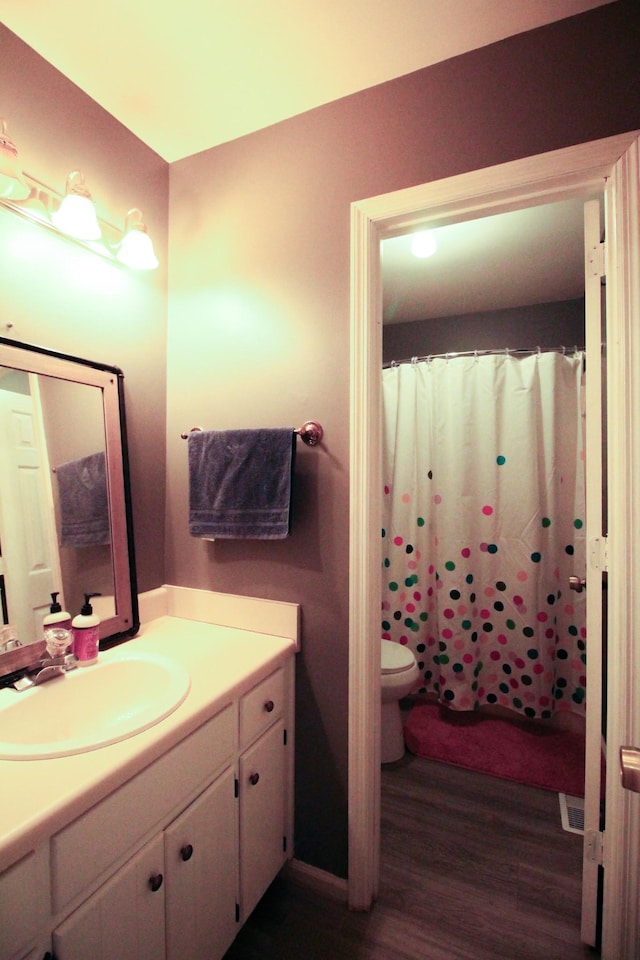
x=136, y=249
x=12, y=183
x=76, y=215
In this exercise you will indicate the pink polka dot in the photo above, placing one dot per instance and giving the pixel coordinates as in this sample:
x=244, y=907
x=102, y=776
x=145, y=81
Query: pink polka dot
x=518, y=601
x=538, y=668
x=386, y=636
x=406, y=498
x=386, y=605
x=449, y=613
x=501, y=639
x=446, y=633
x=431, y=568
x=465, y=552
x=544, y=701
x=487, y=510
x=542, y=617
x=437, y=499
x=417, y=595
x=519, y=663
x=522, y=575
x=494, y=655
x=386, y=489
x=485, y=614
x=467, y=658
x=549, y=633
x=462, y=609
x=410, y=607
x=569, y=610
x=484, y=547
x=398, y=541
x=489, y=592
x=459, y=644
x=412, y=565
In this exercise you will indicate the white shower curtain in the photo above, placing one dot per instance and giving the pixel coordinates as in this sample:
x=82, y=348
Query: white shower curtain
x=483, y=524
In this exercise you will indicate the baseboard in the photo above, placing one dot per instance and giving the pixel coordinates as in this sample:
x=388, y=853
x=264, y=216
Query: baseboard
x=320, y=881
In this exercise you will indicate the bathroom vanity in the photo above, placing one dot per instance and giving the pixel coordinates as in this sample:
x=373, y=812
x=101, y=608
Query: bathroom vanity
x=160, y=845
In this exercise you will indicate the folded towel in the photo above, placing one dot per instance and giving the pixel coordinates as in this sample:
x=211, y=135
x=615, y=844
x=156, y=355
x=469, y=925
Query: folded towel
x=240, y=483
x=84, y=508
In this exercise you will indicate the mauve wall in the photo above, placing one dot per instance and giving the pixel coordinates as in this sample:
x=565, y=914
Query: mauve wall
x=540, y=324
x=58, y=295
x=259, y=315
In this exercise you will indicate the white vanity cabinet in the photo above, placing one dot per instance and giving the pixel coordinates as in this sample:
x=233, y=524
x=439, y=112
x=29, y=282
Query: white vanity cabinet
x=124, y=919
x=263, y=786
x=170, y=863
x=24, y=902
x=201, y=874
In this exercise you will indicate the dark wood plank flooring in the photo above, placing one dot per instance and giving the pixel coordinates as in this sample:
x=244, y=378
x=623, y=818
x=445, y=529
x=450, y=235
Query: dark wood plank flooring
x=473, y=868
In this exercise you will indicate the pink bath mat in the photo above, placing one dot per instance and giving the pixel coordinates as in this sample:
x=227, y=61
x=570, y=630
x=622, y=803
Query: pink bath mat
x=534, y=754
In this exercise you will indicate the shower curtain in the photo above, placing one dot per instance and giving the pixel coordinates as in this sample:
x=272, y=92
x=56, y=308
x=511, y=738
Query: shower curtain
x=483, y=524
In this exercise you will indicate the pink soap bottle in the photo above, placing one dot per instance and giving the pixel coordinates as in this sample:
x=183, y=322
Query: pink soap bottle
x=85, y=628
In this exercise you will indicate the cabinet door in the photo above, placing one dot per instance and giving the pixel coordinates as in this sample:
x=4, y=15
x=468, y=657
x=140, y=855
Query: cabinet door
x=201, y=861
x=124, y=918
x=263, y=792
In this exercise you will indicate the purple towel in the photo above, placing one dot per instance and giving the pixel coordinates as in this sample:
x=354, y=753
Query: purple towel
x=240, y=483
x=84, y=508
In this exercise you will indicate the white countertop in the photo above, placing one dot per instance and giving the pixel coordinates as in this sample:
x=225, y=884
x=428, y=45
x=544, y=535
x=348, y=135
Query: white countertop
x=40, y=797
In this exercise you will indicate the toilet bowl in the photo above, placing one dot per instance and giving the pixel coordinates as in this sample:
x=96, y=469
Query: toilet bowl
x=399, y=674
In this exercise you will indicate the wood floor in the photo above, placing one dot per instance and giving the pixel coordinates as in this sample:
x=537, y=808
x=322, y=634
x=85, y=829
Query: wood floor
x=473, y=868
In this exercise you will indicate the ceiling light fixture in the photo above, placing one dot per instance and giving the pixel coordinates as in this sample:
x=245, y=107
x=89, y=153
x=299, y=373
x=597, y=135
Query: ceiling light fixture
x=423, y=244
x=77, y=213
x=72, y=216
x=136, y=249
x=12, y=184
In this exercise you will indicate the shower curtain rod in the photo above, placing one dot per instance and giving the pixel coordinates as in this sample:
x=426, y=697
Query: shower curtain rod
x=508, y=351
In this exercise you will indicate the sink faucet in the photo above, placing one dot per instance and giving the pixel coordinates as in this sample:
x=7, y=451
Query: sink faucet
x=55, y=667
x=60, y=660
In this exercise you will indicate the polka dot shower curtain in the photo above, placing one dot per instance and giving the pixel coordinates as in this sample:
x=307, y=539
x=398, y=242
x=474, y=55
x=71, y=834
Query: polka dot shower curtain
x=483, y=524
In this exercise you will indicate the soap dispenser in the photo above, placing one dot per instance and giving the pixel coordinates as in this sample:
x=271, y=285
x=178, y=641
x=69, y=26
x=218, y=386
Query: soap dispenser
x=86, y=633
x=57, y=617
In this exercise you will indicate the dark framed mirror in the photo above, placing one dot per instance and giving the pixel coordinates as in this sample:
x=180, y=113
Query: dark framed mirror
x=65, y=503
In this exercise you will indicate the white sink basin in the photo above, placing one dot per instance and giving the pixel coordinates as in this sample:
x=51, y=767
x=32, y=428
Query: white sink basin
x=90, y=707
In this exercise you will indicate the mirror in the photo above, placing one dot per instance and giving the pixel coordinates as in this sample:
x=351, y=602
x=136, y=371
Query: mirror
x=65, y=518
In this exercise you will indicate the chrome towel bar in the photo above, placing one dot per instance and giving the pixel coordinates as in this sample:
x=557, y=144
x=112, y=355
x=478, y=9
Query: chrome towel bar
x=310, y=432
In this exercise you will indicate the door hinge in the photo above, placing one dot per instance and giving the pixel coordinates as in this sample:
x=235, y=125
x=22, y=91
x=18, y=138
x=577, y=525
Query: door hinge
x=596, y=261
x=594, y=846
x=284, y=737
x=236, y=787
x=599, y=553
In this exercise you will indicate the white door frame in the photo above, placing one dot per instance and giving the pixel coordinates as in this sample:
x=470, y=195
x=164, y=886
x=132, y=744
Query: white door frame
x=610, y=165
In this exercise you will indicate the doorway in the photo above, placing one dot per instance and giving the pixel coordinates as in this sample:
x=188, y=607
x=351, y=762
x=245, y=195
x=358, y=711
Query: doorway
x=611, y=165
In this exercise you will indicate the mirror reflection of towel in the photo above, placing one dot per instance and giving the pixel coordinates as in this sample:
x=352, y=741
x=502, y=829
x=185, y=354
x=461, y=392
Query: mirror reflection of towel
x=240, y=483
x=84, y=508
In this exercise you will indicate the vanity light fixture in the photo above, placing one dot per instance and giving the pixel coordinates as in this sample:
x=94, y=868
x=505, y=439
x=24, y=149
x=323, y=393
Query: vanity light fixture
x=12, y=184
x=73, y=215
x=136, y=249
x=76, y=214
x=423, y=244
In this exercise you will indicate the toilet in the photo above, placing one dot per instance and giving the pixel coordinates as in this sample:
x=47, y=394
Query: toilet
x=399, y=674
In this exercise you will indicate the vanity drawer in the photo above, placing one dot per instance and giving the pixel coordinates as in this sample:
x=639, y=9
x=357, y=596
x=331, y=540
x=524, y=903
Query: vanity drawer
x=261, y=706
x=111, y=830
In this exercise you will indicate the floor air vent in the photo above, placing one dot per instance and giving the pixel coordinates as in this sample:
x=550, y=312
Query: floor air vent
x=572, y=813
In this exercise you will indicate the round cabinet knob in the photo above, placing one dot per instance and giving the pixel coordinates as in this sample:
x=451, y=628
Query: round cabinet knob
x=186, y=852
x=155, y=882
x=269, y=706
x=253, y=779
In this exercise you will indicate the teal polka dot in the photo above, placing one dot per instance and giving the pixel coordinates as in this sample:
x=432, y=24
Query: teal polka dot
x=420, y=521
x=536, y=557
x=501, y=460
x=577, y=524
x=492, y=548
x=546, y=522
x=393, y=585
x=449, y=565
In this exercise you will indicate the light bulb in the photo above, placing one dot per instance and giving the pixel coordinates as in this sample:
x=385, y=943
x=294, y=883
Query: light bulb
x=423, y=244
x=76, y=215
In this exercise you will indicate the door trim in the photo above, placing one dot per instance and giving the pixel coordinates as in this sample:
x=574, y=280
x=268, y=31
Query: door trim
x=573, y=171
